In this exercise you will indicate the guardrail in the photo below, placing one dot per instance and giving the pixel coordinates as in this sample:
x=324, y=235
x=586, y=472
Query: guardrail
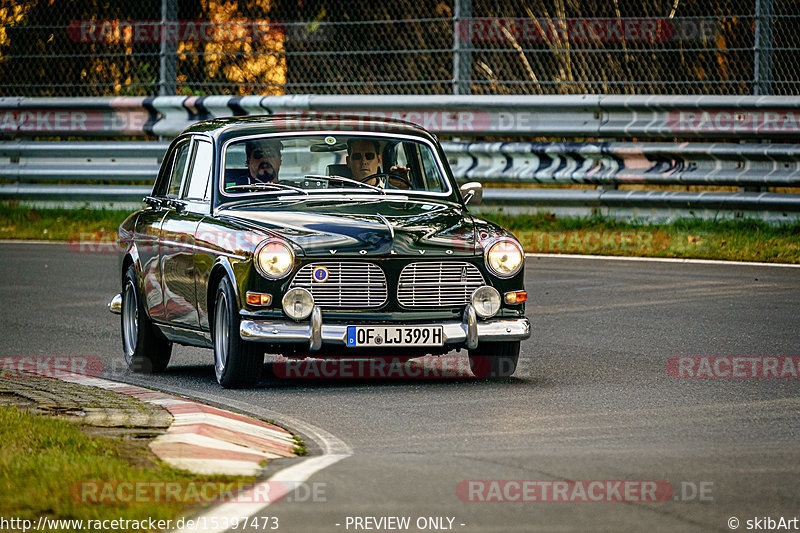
x=585, y=116
x=719, y=164
x=607, y=164
x=745, y=165
x=751, y=166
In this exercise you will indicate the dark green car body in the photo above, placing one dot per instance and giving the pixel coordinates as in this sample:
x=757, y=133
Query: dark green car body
x=181, y=247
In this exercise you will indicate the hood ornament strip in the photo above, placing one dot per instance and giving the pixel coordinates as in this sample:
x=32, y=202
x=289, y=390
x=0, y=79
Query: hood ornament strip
x=391, y=229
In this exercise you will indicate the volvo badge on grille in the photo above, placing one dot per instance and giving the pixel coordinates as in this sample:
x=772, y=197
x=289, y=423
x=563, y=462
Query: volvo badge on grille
x=464, y=274
x=320, y=274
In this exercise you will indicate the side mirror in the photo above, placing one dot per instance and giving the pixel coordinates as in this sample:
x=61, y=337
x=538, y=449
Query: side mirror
x=472, y=193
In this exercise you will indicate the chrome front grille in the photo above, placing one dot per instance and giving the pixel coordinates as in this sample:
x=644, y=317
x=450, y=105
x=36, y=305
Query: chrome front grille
x=349, y=285
x=442, y=284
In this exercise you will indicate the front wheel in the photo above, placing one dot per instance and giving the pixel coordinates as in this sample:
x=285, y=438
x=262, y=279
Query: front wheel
x=494, y=359
x=237, y=363
x=145, y=350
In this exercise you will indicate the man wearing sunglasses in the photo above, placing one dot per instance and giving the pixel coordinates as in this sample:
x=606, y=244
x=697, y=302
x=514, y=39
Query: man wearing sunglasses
x=263, y=160
x=364, y=159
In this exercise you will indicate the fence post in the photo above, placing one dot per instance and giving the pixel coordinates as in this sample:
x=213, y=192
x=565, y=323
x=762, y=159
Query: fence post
x=168, y=55
x=462, y=44
x=762, y=64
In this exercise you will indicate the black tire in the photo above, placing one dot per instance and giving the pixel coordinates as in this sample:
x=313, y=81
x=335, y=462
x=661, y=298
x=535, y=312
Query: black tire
x=494, y=360
x=145, y=349
x=237, y=363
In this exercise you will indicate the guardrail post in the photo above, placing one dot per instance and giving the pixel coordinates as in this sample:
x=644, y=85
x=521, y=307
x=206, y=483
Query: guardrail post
x=168, y=55
x=762, y=67
x=462, y=45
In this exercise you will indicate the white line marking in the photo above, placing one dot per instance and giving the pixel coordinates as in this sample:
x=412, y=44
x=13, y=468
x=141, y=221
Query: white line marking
x=663, y=260
x=333, y=449
x=12, y=241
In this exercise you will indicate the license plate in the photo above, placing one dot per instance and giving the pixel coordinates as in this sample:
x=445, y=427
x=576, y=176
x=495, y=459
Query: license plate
x=358, y=336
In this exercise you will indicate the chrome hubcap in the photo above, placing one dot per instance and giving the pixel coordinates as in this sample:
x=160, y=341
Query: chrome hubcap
x=221, y=335
x=130, y=320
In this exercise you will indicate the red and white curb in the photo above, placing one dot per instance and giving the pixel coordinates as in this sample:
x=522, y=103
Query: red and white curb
x=204, y=439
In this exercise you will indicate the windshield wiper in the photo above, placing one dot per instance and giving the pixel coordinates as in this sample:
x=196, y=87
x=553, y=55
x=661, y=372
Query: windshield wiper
x=264, y=187
x=348, y=180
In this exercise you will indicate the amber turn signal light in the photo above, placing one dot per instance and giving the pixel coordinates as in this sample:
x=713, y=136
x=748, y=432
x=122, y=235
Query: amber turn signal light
x=516, y=297
x=258, y=298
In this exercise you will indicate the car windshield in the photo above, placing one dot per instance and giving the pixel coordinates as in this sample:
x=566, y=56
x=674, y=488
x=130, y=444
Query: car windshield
x=309, y=163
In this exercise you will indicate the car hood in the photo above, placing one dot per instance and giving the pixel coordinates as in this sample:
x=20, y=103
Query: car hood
x=363, y=227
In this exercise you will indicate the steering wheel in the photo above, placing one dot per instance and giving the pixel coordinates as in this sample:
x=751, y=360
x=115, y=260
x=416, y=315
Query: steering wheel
x=382, y=180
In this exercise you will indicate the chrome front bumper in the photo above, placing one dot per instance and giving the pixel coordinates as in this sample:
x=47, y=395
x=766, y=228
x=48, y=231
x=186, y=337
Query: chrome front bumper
x=313, y=332
x=115, y=305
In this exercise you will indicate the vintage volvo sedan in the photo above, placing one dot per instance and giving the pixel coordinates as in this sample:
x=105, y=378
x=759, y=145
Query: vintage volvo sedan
x=334, y=237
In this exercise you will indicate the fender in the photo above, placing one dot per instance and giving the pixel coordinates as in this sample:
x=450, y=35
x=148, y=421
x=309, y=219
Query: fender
x=222, y=263
x=133, y=252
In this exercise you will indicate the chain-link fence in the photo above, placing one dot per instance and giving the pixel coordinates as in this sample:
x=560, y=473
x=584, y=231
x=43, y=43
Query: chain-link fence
x=153, y=47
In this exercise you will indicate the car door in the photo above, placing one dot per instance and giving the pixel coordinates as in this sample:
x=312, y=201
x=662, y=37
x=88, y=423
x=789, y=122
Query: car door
x=148, y=227
x=178, y=229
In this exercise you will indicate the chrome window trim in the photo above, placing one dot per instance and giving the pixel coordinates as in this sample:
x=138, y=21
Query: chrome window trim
x=354, y=133
x=189, y=141
x=196, y=140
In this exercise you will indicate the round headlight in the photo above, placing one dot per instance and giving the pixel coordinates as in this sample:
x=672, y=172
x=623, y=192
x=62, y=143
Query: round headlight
x=486, y=301
x=504, y=258
x=274, y=259
x=298, y=303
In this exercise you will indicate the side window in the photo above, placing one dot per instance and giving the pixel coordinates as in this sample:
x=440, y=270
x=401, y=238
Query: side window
x=177, y=170
x=400, y=155
x=430, y=171
x=200, y=172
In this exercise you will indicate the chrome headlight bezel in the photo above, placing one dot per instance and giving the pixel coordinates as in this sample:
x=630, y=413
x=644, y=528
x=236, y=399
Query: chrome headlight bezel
x=261, y=249
x=489, y=293
x=503, y=240
x=287, y=305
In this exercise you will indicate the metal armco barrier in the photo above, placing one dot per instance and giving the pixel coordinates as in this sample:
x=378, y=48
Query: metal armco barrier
x=743, y=201
x=746, y=165
x=600, y=116
x=38, y=169
x=28, y=162
x=769, y=206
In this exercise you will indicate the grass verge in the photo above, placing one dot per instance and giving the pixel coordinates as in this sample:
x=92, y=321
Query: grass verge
x=43, y=462
x=25, y=223
x=733, y=240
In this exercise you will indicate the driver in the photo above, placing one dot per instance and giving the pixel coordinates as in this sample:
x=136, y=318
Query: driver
x=263, y=160
x=364, y=159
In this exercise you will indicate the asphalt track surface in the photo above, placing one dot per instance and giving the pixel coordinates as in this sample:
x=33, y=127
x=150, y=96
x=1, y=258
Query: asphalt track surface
x=591, y=399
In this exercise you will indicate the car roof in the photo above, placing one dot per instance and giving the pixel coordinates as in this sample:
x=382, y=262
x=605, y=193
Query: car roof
x=232, y=127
